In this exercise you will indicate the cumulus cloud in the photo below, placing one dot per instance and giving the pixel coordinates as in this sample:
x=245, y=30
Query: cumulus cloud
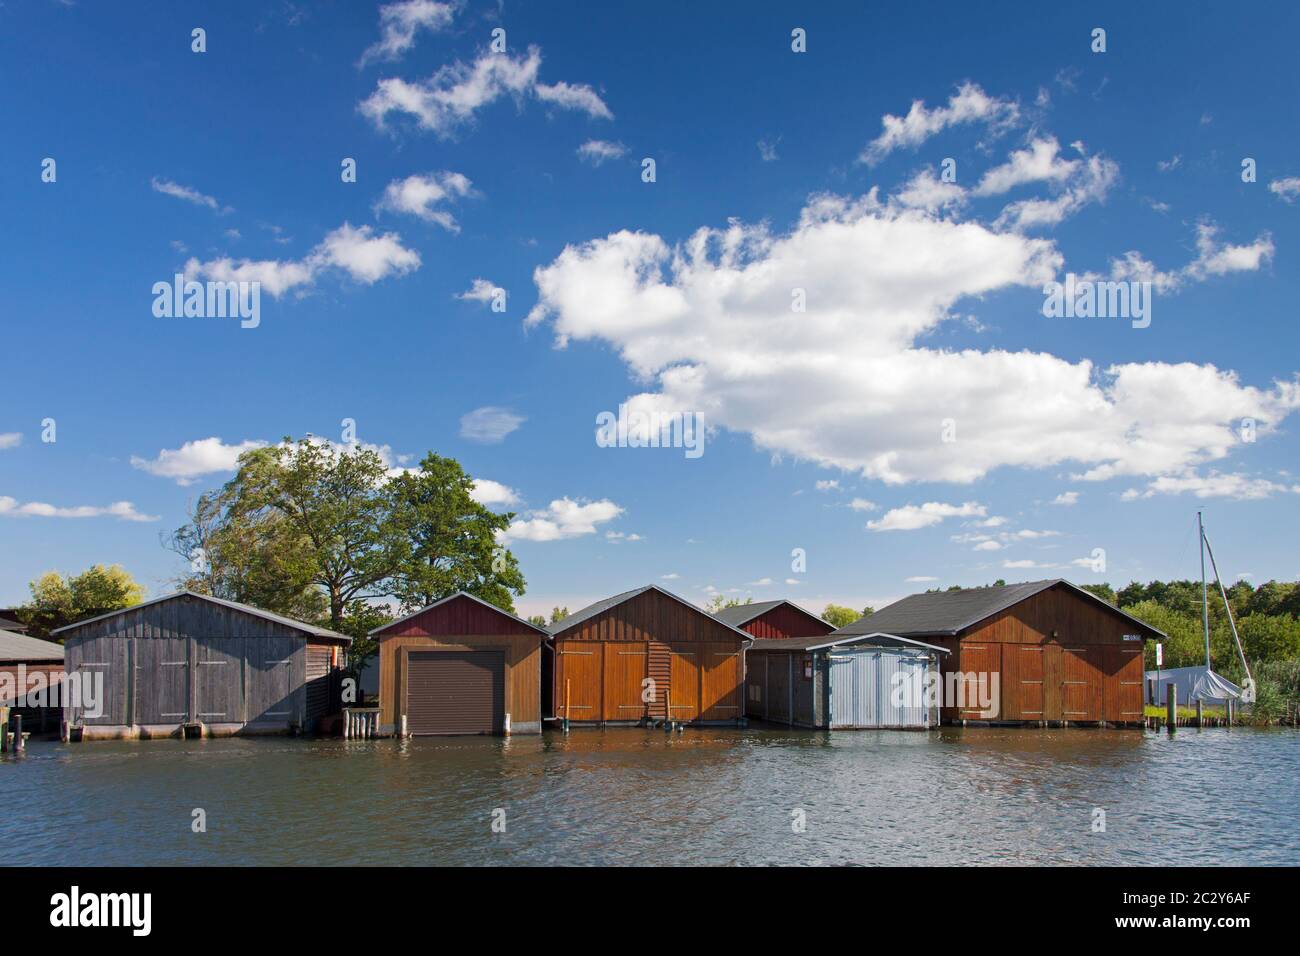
x=122, y=510
x=920, y=579
x=707, y=325
x=1066, y=498
x=926, y=191
x=598, y=151
x=1039, y=162
x=480, y=290
x=10, y=440
x=1213, y=258
x=187, y=194
x=862, y=504
x=194, y=459
x=970, y=104
x=450, y=98
x=914, y=517
x=1213, y=485
x=398, y=24
x=424, y=195
x=563, y=518
x=1286, y=189
x=829, y=484
x=356, y=250
x=489, y=424
x=1086, y=181
x=493, y=493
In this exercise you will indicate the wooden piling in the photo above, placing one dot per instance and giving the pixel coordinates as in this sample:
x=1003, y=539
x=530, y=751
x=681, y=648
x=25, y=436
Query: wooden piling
x=1171, y=706
x=18, y=733
x=1228, y=705
x=1200, y=714
x=4, y=730
x=566, y=705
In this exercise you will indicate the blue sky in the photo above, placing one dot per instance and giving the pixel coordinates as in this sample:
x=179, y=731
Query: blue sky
x=818, y=171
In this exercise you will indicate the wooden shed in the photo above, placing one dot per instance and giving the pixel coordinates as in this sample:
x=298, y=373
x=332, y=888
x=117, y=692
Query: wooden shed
x=1060, y=654
x=774, y=620
x=31, y=671
x=855, y=681
x=460, y=666
x=647, y=655
x=190, y=664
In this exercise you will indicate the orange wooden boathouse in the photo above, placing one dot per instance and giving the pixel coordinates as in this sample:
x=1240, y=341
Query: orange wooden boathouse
x=774, y=620
x=646, y=655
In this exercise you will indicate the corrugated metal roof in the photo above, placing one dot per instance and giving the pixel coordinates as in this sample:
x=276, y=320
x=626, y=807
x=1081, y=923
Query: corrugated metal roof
x=842, y=640
x=451, y=597
x=20, y=647
x=947, y=613
x=303, y=626
x=591, y=610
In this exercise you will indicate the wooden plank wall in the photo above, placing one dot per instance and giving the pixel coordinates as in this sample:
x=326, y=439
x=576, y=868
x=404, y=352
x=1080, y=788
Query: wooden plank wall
x=786, y=621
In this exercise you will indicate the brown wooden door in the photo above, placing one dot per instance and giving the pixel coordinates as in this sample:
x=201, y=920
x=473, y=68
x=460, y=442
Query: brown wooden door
x=979, y=662
x=625, y=669
x=455, y=692
x=1080, y=683
x=1023, y=681
x=684, y=682
x=578, y=674
x=1122, y=683
x=720, y=682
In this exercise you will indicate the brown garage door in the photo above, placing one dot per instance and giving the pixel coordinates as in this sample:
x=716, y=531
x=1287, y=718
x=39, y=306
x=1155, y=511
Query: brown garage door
x=455, y=692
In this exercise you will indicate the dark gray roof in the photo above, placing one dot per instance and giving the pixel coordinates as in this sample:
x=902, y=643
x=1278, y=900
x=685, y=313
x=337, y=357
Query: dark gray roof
x=947, y=613
x=591, y=610
x=7, y=624
x=16, y=647
x=450, y=597
x=303, y=626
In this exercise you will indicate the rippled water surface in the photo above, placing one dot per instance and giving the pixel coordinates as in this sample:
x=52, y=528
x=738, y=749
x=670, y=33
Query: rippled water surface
x=643, y=797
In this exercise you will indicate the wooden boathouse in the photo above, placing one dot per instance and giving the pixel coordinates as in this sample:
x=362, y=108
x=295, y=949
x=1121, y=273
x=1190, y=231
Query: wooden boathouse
x=647, y=655
x=1060, y=654
x=189, y=664
x=774, y=620
x=30, y=673
x=460, y=666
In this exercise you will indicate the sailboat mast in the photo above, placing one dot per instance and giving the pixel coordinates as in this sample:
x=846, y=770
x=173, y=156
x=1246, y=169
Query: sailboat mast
x=1205, y=600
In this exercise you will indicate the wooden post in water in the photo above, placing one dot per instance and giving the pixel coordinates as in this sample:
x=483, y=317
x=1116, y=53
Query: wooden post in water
x=1228, y=707
x=1200, y=713
x=18, y=733
x=4, y=729
x=566, y=705
x=1171, y=706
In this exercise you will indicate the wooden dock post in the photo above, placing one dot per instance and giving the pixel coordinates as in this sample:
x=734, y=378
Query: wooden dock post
x=1228, y=704
x=1171, y=706
x=566, y=705
x=1200, y=714
x=4, y=730
x=18, y=733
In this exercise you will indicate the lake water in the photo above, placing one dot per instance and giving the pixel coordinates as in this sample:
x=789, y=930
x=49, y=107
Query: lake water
x=955, y=796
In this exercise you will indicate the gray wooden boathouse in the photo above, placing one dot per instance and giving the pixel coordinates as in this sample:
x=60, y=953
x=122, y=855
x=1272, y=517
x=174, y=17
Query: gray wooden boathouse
x=190, y=664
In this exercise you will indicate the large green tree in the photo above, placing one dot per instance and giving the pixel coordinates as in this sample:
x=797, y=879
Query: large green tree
x=57, y=600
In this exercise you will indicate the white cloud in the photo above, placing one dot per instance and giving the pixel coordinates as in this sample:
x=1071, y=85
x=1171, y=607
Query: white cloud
x=563, y=518
x=671, y=576
x=1286, y=189
x=194, y=459
x=1214, y=485
x=452, y=96
x=1090, y=181
x=760, y=583
x=188, y=194
x=926, y=191
x=830, y=484
x=1039, y=162
x=398, y=23
x=793, y=581
x=489, y=493
x=598, y=151
x=920, y=579
x=767, y=150
x=862, y=504
x=707, y=324
x=1169, y=165
x=970, y=104
x=355, y=250
x=10, y=440
x=1066, y=498
x=421, y=195
x=913, y=517
x=122, y=510
x=1024, y=563
x=489, y=424
x=1213, y=258
x=480, y=290
x=614, y=537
